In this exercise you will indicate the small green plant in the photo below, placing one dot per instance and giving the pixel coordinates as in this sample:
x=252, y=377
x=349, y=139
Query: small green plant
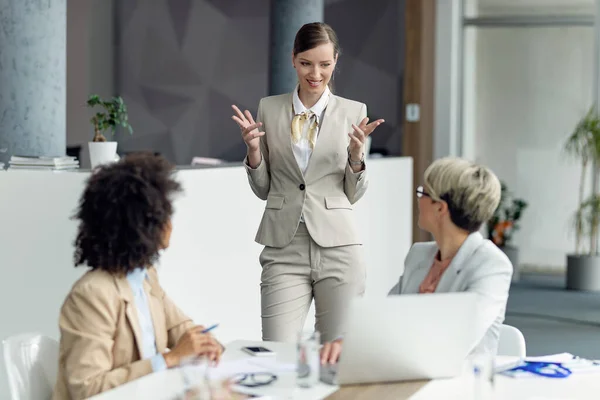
x=584, y=145
x=504, y=222
x=114, y=115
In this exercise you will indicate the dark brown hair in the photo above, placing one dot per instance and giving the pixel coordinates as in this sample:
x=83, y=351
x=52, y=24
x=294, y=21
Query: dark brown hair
x=123, y=212
x=315, y=34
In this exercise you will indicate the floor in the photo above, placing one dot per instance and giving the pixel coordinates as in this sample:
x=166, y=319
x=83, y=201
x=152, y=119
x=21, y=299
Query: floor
x=552, y=319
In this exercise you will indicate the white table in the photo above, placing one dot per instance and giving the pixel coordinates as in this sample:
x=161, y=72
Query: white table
x=168, y=384
x=573, y=388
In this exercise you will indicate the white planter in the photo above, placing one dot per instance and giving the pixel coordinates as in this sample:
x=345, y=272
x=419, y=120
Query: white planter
x=102, y=153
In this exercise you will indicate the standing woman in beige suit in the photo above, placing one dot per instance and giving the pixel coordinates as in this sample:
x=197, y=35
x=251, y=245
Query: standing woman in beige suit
x=306, y=159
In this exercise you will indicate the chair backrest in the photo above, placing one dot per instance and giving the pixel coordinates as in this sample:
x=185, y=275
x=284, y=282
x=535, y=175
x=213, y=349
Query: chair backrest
x=512, y=342
x=31, y=362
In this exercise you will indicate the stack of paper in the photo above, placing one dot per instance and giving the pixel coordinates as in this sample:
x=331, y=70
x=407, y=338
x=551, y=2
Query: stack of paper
x=44, y=163
x=207, y=161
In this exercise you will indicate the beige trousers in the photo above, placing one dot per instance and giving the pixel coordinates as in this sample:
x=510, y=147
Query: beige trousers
x=292, y=276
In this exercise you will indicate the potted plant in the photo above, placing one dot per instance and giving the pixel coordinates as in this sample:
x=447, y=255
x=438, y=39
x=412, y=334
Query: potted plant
x=113, y=114
x=583, y=266
x=504, y=223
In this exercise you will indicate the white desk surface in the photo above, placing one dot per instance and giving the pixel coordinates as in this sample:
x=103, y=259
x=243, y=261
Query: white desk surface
x=582, y=387
x=168, y=384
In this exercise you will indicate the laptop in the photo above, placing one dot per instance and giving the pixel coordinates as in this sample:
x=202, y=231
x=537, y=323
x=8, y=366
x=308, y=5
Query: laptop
x=406, y=337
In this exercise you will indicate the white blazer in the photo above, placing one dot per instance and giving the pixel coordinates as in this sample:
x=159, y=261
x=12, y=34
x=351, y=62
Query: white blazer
x=479, y=267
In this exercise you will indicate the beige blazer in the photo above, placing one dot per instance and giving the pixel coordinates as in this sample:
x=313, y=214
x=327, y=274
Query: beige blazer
x=479, y=267
x=328, y=190
x=100, y=343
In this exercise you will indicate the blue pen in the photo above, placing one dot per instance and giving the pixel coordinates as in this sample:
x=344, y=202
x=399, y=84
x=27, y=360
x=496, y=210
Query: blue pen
x=210, y=328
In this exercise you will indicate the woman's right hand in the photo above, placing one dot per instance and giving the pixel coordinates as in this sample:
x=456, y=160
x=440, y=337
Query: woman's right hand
x=250, y=133
x=194, y=343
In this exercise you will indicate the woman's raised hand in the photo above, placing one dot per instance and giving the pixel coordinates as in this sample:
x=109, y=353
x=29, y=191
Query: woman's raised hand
x=250, y=129
x=360, y=135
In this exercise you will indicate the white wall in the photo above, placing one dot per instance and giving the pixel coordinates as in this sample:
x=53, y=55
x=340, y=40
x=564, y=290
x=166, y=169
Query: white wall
x=211, y=269
x=528, y=89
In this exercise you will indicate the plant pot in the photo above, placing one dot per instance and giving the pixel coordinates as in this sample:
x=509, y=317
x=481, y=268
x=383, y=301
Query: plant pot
x=102, y=153
x=513, y=255
x=583, y=272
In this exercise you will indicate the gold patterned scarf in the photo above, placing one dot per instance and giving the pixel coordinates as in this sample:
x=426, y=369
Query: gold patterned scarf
x=298, y=127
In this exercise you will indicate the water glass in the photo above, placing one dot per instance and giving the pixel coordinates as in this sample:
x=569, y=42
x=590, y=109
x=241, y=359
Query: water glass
x=482, y=369
x=202, y=382
x=194, y=373
x=307, y=359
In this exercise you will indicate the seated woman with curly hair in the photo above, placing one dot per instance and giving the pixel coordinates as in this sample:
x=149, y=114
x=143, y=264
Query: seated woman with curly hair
x=117, y=323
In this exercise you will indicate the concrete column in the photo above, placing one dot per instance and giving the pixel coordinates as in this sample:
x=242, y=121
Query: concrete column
x=287, y=16
x=33, y=78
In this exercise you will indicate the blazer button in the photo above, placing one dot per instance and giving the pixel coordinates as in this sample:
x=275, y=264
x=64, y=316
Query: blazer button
x=301, y=187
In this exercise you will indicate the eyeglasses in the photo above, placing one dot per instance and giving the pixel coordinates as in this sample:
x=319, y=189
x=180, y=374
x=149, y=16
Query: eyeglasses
x=256, y=379
x=421, y=192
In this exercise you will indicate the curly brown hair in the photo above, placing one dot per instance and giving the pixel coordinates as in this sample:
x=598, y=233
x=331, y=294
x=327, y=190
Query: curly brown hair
x=123, y=213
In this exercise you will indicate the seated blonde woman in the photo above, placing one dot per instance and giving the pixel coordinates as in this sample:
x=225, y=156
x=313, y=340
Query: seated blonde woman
x=117, y=323
x=456, y=198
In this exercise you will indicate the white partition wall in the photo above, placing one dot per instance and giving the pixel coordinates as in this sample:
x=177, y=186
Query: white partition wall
x=211, y=269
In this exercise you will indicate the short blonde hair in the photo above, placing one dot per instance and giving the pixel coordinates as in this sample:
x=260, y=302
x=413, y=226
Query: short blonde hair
x=471, y=191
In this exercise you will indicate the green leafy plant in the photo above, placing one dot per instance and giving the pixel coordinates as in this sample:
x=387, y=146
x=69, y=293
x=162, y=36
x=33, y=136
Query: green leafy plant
x=114, y=114
x=505, y=220
x=584, y=145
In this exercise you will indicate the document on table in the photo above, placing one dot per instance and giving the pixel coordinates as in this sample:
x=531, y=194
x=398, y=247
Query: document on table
x=504, y=363
x=567, y=360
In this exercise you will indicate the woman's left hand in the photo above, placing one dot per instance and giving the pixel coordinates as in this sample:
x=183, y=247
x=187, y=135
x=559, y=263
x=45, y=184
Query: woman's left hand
x=330, y=352
x=359, y=137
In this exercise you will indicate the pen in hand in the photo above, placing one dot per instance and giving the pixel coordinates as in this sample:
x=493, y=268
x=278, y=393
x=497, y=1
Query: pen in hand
x=210, y=328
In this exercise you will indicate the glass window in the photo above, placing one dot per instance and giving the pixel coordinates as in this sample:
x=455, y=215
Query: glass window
x=524, y=89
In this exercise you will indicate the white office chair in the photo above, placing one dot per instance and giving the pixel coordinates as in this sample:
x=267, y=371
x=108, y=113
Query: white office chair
x=31, y=362
x=512, y=342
